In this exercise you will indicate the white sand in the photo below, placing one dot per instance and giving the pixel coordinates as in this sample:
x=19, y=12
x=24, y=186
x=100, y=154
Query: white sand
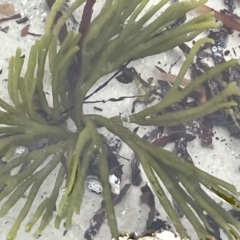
x=223, y=161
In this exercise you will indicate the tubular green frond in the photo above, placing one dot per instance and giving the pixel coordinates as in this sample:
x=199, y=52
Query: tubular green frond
x=122, y=31
x=104, y=173
x=171, y=169
x=36, y=181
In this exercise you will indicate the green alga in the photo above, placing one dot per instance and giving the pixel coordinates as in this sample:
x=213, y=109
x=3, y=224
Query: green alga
x=121, y=32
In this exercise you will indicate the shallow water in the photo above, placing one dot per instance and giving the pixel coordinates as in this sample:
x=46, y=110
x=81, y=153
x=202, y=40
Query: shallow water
x=220, y=158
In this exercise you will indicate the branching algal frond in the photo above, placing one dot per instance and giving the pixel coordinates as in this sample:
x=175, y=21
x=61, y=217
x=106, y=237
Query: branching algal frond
x=121, y=32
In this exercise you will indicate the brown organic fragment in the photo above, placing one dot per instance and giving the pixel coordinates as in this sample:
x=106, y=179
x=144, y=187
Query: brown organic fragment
x=6, y=9
x=24, y=31
x=171, y=78
x=163, y=141
x=199, y=90
x=147, y=197
x=99, y=217
x=16, y=16
x=136, y=173
x=84, y=26
x=227, y=20
x=205, y=134
x=95, y=225
x=181, y=149
x=201, y=95
x=34, y=34
x=183, y=133
x=63, y=32
x=230, y=14
x=86, y=19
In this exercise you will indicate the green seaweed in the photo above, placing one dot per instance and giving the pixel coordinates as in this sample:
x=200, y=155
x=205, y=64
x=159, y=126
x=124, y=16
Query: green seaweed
x=118, y=34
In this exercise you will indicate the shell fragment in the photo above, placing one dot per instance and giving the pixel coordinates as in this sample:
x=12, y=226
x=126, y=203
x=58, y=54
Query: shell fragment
x=94, y=185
